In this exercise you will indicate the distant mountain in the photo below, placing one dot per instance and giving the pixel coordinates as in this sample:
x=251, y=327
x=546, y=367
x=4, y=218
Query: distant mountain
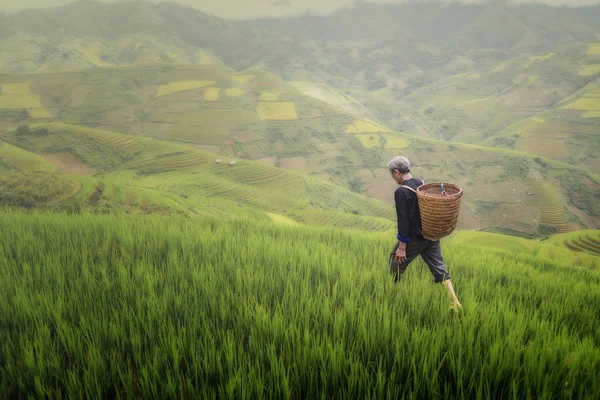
x=460, y=27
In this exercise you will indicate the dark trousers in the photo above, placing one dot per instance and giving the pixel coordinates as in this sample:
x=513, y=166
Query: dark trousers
x=429, y=251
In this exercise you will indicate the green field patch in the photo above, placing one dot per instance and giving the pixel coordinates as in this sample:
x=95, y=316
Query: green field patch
x=25, y=160
x=365, y=126
x=152, y=284
x=591, y=114
x=181, y=86
x=33, y=189
x=532, y=79
x=212, y=94
x=589, y=70
x=277, y=111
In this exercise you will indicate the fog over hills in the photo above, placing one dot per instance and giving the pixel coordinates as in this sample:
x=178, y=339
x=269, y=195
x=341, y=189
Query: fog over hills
x=498, y=98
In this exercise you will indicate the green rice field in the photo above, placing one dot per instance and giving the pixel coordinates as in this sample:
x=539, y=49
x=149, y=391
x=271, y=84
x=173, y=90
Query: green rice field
x=124, y=306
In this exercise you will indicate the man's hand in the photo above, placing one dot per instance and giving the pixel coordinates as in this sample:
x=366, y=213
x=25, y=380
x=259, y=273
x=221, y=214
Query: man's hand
x=401, y=253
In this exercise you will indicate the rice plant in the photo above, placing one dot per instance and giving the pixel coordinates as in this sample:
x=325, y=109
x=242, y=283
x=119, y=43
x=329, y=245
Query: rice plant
x=123, y=306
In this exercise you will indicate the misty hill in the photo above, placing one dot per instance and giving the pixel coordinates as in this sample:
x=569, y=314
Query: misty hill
x=459, y=27
x=166, y=75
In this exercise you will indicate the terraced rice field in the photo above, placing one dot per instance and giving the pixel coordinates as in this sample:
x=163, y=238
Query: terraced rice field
x=585, y=242
x=551, y=203
x=175, y=87
x=277, y=111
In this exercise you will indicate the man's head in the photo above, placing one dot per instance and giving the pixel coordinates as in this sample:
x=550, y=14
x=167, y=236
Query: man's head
x=399, y=166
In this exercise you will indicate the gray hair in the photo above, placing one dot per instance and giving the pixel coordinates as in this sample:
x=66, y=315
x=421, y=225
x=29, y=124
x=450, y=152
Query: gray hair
x=399, y=163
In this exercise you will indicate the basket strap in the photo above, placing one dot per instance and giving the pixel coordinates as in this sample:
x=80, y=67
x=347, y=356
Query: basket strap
x=409, y=188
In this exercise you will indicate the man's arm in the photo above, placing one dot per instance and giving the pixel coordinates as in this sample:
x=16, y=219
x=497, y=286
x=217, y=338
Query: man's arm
x=403, y=218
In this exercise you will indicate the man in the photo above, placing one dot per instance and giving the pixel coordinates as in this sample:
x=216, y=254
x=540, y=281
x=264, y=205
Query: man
x=411, y=242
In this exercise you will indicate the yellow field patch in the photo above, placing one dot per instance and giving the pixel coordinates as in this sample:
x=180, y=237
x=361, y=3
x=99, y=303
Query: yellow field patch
x=585, y=104
x=370, y=141
x=270, y=95
x=591, y=114
x=212, y=94
x=181, y=86
x=16, y=96
x=15, y=88
x=234, y=92
x=365, y=126
x=533, y=59
x=537, y=119
x=277, y=111
x=243, y=78
x=593, y=49
x=589, y=70
x=39, y=113
x=395, y=142
x=281, y=219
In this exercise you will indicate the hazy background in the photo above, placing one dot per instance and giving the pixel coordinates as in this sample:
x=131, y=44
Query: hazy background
x=275, y=8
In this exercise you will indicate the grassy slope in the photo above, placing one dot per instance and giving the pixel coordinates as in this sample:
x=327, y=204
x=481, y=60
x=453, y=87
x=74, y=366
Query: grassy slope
x=146, y=175
x=150, y=307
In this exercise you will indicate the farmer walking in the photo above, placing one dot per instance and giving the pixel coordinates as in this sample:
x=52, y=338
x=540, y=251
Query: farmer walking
x=411, y=242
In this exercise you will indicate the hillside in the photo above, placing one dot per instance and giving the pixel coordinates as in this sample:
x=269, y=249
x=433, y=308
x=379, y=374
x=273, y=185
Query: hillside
x=166, y=75
x=254, y=115
x=73, y=168
x=152, y=306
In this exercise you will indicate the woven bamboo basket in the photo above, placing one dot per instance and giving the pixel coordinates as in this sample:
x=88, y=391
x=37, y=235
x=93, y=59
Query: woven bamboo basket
x=439, y=212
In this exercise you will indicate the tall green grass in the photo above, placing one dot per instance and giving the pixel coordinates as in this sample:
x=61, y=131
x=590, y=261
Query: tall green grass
x=164, y=307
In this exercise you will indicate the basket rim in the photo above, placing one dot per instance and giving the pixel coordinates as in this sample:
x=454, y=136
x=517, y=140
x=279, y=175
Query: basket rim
x=421, y=188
